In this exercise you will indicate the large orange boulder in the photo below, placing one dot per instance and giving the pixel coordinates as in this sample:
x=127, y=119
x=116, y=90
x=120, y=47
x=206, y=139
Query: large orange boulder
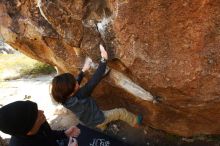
x=164, y=49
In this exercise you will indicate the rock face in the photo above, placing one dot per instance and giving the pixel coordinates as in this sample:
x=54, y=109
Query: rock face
x=168, y=48
x=6, y=49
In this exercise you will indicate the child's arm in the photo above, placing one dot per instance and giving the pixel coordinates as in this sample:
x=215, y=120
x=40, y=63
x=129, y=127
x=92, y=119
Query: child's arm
x=80, y=77
x=86, y=67
x=86, y=90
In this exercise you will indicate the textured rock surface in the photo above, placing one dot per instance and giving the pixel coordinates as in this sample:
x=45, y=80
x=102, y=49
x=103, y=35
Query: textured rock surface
x=169, y=48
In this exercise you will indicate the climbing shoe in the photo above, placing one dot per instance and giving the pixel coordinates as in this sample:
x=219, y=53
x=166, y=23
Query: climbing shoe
x=139, y=120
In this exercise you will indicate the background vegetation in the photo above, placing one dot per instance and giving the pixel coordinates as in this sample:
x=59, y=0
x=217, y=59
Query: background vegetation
x=18, y=65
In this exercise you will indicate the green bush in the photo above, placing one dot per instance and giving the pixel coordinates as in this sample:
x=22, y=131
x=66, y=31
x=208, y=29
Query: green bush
x=38, y=68
x=18, y=65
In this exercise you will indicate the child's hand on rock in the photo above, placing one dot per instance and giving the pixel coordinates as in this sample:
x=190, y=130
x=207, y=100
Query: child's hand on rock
x=104, y=54
x=87, y=64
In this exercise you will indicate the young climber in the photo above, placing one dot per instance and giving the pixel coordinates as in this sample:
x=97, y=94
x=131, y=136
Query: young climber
x=28, y=126
x=65, y=89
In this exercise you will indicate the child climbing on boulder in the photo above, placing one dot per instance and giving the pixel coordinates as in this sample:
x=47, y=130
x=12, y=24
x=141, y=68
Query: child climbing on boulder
x=65, y=89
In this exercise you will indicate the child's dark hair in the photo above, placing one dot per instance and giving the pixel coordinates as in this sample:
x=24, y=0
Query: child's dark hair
x=62, y=86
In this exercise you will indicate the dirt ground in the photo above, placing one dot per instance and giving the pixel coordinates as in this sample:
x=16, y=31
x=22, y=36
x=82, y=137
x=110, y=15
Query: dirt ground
x=36, y=89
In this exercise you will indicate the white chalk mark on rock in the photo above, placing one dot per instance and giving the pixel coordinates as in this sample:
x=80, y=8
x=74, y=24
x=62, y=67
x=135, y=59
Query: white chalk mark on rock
x=39, y=4
x=127, y=84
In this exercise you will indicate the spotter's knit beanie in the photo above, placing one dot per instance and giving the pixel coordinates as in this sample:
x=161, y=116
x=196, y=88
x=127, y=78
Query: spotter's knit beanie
x=18, y=118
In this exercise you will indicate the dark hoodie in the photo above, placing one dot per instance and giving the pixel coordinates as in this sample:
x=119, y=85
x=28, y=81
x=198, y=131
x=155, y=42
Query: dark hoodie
x=82, y=105
x=44, y=137
x=18, y=118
